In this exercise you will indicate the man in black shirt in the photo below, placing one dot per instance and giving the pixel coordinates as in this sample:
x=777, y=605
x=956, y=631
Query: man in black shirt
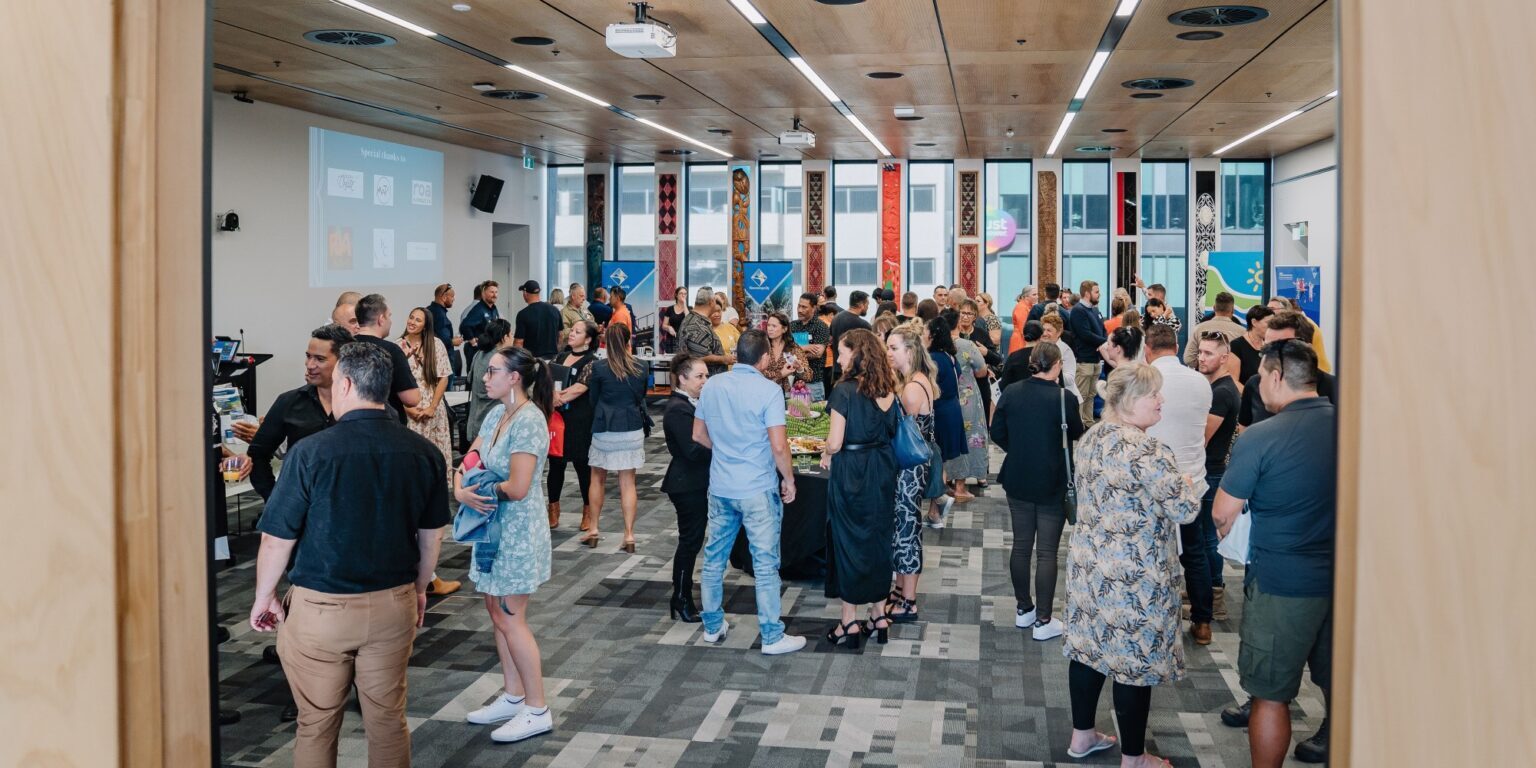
x=1289, y=324
x=363, y=503
x=1016, y=366
x=817, y=337
x=373, y=328
x=473, y=324
x=1052, y=296
x=537, y=326
x=829, y=298
x=1199, y=538
x=1087, y=328
x=847, y=320
x=298, y=413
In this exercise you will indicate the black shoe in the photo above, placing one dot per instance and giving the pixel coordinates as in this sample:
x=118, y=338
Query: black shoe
x=228, y=717
x=1315, y=749
x=843, y=635
x=269, y=655
x=221, y=634
x=1236, y=716
x=290, y=713
x=683, y=608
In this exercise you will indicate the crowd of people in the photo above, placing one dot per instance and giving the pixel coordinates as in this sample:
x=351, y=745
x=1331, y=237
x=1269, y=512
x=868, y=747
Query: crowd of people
x=1150, y=454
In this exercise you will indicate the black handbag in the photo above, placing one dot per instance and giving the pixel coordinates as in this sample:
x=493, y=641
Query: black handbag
x=1069, y=500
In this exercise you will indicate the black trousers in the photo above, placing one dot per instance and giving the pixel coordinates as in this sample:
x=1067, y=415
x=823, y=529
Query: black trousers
x=692, y=518
x=1198, y=580
x=556, y=482
x=1037, y=527
x=1132, y=704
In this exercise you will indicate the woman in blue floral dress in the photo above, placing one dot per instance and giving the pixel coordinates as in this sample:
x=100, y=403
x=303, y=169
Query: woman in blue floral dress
x=1123, y=571
x=513, y=442
x=970, y=363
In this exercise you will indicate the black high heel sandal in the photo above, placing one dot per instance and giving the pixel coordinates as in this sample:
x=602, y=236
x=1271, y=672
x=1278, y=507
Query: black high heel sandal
x=907, y=613
x=839, y=635
x=882, y=634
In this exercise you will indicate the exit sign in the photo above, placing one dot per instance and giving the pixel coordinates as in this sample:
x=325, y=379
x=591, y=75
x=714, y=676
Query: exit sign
x=528, y=162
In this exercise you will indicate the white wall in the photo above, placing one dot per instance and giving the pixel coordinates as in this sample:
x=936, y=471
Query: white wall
x=261, y=273
x=1298, y=196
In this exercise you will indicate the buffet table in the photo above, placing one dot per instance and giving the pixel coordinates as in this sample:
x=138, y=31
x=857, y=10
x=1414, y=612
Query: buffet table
x=803, y=537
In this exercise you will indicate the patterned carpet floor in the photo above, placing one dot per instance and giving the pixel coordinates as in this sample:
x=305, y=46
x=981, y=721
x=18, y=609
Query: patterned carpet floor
x=630, y=687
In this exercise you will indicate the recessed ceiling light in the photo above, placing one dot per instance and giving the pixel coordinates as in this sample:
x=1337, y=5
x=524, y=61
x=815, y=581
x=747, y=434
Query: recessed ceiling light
x=1199, y=34
x=654, y=98
x=461, y=7
x=883, y=75
x=1146, y=95
x=352, y=38
x=1094, y=67
x=533, y=40
x=1113, y=130
x=676, y=152
x=909, y=118
x=525, y=72
x=1061, y=132
x=484, y=87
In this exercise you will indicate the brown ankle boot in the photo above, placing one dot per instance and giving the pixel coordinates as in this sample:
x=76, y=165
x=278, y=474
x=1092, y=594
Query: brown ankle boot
x=554, y=515
x=1219, y=604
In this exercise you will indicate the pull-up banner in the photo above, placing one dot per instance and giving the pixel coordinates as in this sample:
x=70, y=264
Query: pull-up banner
x=638, y=279
x=768, y=287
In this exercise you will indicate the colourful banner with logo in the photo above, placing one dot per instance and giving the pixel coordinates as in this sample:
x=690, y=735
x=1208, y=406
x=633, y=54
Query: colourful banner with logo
x=769, y=287
x=890, y=226
x=1302, y=284
x=1240, y=273
x=638, y=279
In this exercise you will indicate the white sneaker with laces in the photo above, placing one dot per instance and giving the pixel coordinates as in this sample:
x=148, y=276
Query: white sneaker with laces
x=1023, y=620
x=526, y=725
x=1049, y=630
x=715, y=637
x=785, y=644
x=505, y=707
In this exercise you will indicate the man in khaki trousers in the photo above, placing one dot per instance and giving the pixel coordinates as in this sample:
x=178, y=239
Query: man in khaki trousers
x=363, y=503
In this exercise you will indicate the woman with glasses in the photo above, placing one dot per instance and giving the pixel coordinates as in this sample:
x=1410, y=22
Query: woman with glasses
x=687, y=480
x=574, y=404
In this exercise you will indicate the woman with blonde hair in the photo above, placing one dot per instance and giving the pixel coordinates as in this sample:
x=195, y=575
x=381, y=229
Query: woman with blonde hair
x=914, y=375
x=619, y=425
x=988, y=318
x=1123, y=568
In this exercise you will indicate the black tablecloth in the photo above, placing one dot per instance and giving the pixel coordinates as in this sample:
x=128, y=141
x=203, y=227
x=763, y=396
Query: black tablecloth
x=803, y=538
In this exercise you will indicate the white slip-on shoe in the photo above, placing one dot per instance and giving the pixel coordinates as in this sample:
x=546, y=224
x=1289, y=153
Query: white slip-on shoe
x=505, y=707
x=526, y=725
x=715, y=637
x=1049, y=630
x=785, y=644
x=1022, y=619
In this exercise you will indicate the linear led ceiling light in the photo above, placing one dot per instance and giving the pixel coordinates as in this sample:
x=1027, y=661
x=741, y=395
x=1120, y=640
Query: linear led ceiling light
x=1314, y=104
x=775, y=39
x=1107, y=43
x=500, y=62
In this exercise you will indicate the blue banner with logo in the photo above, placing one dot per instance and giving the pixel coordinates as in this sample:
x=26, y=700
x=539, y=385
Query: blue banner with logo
x=638, y=279
x=1301, y=285
x=770, y=288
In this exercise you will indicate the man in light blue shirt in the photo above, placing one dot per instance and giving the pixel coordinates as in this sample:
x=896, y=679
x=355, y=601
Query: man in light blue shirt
x=740, y=417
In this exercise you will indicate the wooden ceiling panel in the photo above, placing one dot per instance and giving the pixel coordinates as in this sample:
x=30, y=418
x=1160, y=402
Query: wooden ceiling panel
x=894, y=28
x=491, y=24
x=1022, y=79
x=996, y=26
x=1311, y=127
x=711, y=30
x=1151, y=30
x=1034, y=120
x=920, y=83
x=613, y=82
x=745, y=83
x=1299, y=66
x=1132, y=65
x=288, y=23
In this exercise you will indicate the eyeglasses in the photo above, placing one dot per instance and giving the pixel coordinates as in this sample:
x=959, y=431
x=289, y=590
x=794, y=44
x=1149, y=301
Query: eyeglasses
x=1212, y=336
x=494, y=369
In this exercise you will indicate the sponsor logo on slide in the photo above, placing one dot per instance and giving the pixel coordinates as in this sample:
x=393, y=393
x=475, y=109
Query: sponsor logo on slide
x=383, y=249
x=383, y=190
x=339, y=248
x=421, y=192
x=344, y=183
x=420, y=251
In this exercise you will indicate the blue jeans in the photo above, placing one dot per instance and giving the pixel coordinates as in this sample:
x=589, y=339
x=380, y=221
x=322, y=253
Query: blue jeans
x=761, y=515
x=1208, y=527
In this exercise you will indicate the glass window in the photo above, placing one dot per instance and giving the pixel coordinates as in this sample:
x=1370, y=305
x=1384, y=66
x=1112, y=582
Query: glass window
x=636, y=191
x=1243, y=220
x=930, y=225
x=1165, y=235
x=779, y=210
x=855, y=228
x=1007, y=219
x=1085, y=223
x=567, y=204
x=708, y=228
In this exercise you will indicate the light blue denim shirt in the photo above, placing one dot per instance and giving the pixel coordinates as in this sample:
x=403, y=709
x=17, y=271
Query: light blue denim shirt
x=738, y=407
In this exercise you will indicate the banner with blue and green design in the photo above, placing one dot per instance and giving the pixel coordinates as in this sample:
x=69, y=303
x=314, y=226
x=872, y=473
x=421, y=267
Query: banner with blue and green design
x=638, y=279
x=770, y=288
x=1240, y=273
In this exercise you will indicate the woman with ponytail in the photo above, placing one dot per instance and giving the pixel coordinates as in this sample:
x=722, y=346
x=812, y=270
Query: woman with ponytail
x=619, y=425
x=513, y=443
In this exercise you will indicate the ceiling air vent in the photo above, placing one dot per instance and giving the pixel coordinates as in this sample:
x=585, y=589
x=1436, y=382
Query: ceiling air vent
x=513, y=95
x=349, y=37
x=676, y=152
x=1218, y=16
x=1157, y=83
x=1096, y=149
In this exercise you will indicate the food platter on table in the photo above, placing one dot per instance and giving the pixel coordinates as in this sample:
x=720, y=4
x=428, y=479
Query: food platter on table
x=806, y=445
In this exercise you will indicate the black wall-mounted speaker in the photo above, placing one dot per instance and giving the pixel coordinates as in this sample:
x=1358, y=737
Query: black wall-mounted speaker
x=487, y=192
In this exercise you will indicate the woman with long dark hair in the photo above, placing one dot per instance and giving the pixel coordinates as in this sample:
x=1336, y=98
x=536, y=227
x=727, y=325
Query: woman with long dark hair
x=574, y=403
x=671, y=324
x=861, y=494
x=619, y=424
x=948, y=420
x=513, y=442
x=786, y=361
x=687, y=480
x=430, y=367
x=497, y=334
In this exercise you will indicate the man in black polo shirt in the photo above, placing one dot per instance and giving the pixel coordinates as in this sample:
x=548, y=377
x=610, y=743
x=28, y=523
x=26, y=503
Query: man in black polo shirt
x=363, y=503
x=847, y=320
x=537, y=326
x=1284, y=470
x=298, y=413
x=1288, y=324
x=817, y=337
x=1199, y=538
x=373, y=322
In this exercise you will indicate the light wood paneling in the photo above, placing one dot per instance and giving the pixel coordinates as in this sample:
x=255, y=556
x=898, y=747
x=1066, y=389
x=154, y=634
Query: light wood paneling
x=1435, y=612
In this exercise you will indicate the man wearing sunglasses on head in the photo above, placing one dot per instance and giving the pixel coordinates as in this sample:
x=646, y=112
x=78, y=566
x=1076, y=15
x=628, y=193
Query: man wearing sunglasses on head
x=1282, y=325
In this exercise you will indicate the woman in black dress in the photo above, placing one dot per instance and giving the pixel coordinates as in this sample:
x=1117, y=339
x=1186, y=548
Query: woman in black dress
x=672, y=319
x=861, y=496
x=948, y=421
x=687, y=480
x=573, y=405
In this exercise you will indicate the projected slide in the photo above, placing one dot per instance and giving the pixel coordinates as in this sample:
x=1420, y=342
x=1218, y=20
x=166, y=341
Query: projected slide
x=375, y=212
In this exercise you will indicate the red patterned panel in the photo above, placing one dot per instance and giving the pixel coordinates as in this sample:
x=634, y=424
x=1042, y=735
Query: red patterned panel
x=815, y=267
x=666, y=269
x=666, y=204
x=968, y=269
x=890, y=227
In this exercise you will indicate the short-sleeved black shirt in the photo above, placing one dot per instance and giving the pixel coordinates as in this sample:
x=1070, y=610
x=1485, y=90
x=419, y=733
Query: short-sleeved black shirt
x=538, y=325
x=354, y=496
x=1253, y=410
x=1285, y=469
x=1247, y=358
x=1225, y=402
x=401, y=379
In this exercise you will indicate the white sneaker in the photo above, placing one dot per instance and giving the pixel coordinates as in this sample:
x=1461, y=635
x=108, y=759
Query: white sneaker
x=1050, y=629
x=1023, y=620
x=505, y=707
x=715, y=637
x=949, y=503
x=525, y=726
x=785, y=644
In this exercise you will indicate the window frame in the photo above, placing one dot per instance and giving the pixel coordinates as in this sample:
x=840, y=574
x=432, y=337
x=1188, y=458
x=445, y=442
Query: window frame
x=797, y=260
x=1109, y=229
x=551, y=211
x=832, y=257
x=947, y=259
x=685, y=190
x=618, y=212
x=1269, y=189
x=1034, y=261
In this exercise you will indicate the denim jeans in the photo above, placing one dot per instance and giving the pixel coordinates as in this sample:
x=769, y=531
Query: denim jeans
x=761, y=515
x=1208, y=524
